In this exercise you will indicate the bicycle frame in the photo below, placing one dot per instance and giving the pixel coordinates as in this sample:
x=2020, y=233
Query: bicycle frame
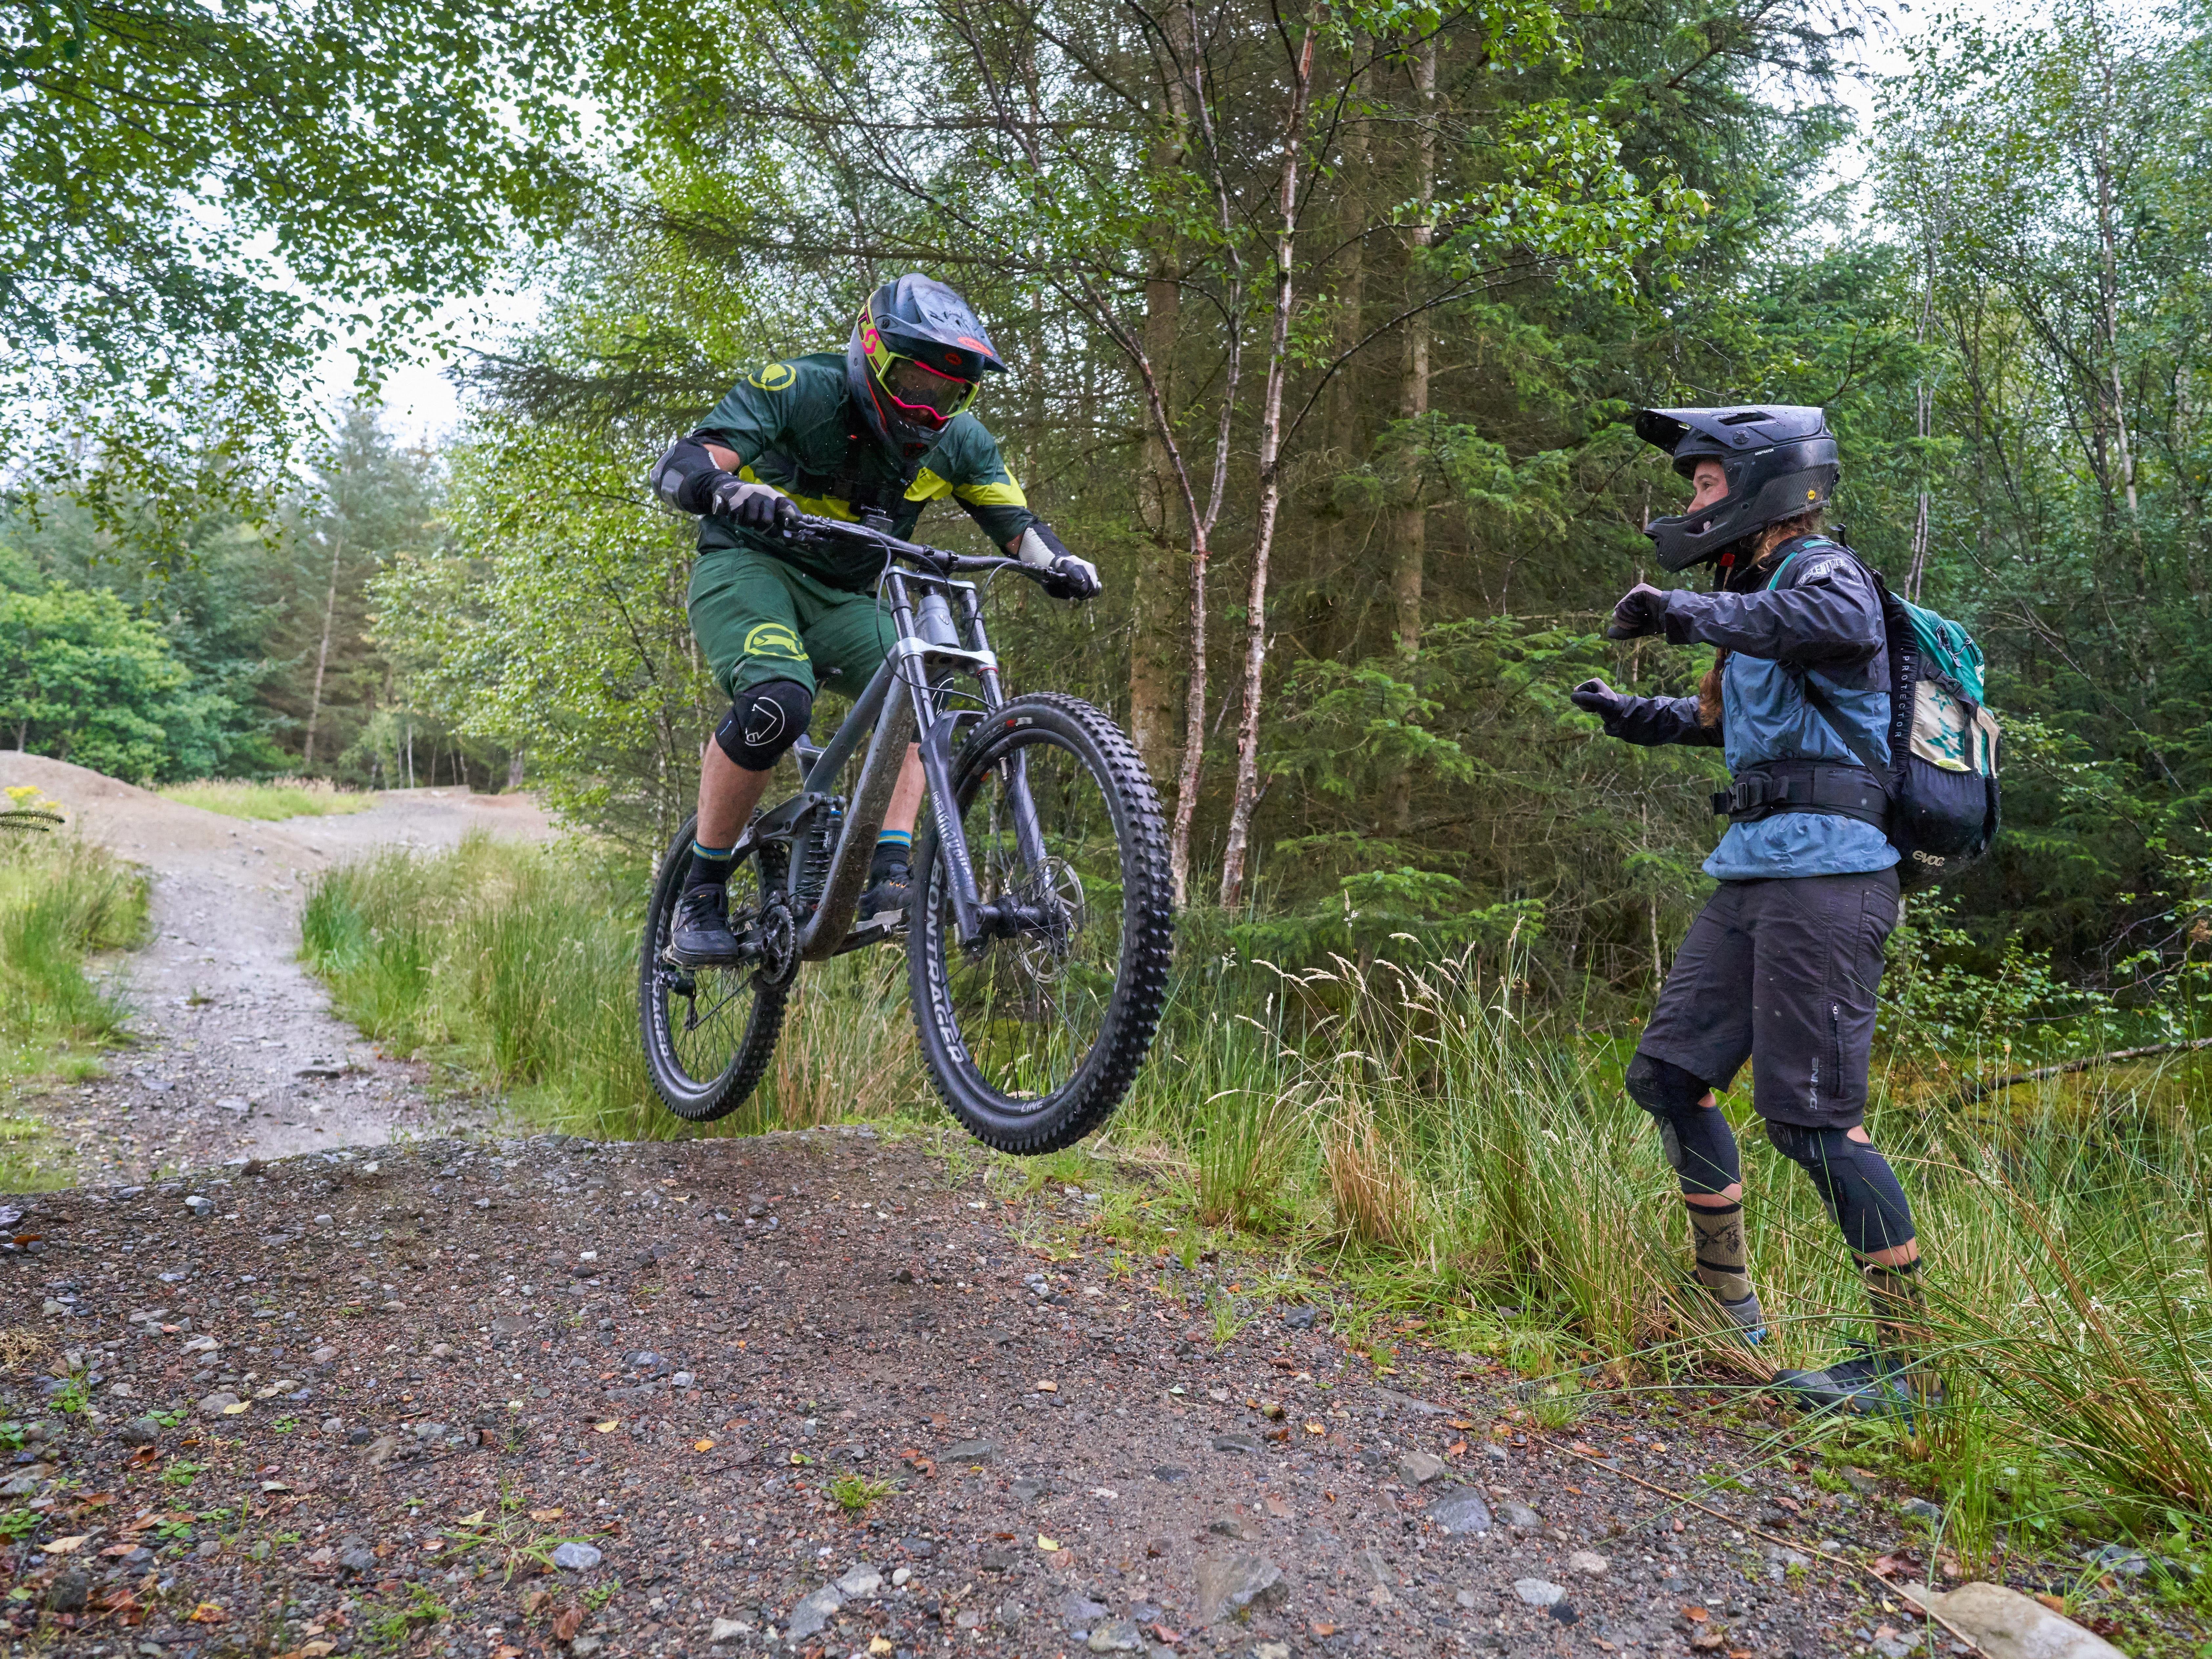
x=933, y=643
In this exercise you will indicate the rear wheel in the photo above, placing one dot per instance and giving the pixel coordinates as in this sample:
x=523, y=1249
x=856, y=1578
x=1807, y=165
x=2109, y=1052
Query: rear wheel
x=1034, y=1037
x=709, y=1031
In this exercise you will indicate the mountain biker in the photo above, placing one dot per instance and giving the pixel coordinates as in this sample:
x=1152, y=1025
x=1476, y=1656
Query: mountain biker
x=1781, y=966
x=881, y=432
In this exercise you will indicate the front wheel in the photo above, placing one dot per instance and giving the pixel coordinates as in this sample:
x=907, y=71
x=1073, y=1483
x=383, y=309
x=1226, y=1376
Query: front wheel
x=708, y=1032
x=1033, y=1038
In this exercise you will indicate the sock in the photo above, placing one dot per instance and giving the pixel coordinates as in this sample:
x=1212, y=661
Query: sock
x=1717, y=1239
x=893, y=848
x=1900, y=1308
x=710, y=866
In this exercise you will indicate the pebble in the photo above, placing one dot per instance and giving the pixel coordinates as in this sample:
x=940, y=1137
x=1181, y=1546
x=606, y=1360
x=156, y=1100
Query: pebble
x=1232, y=1526
x=727, y=1630
x=215, y=1405
x=1459, y=1509
x=441, y=1351
x=1418, y=1468
x=1079, y=1609
x=1301, y=1319
x=1589, y=1563
x=900, y=1575
x=324, y=1355
x=2119, y=1558
x=1236, y=1443
x=354, y=1557
x=1228, y=1585
x=1539, y=1592
x=573, y=1557
x=140, y=1432
x=584, y=1647
x=812, y=1613
x=860, y=1579
x=200, y=1206
x=969, y=1451
x=681, y=1380
x=1921, y=1509
x=996, y=1558
x=1120, y=1637
x=1518, y=1514
x=20, y=1486
x=69, y=1593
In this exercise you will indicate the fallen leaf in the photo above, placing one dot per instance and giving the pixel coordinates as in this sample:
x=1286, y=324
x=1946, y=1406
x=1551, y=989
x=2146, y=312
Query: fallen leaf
x=703, y=1445
x=1696, y=1615
x=206, y=1613
x=799, y=1460
x=475, y=1520
x=2056, y=1603
x=607, y=1427
x=432, y=1546
x=1457, y=1449
x=1706, y=1640
x=1460, y=1423
x=1316, y=1428
x=547, y=1515
x=1577, y=1491
x=119, y=1549
x=235, y=1407
x=93, y=1500
x=317, y=1650
x=274, y=1485
x=1587, y=1451
x=507, y=1653
x=65, y=1545
x=878, y=1646
x=565, y=1623
x=1167, y=1638
x=1046, y=1544
x=1047, y=1388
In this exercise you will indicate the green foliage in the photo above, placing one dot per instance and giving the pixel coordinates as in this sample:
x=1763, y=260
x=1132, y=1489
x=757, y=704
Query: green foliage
x=61, y=899
x=286, y=797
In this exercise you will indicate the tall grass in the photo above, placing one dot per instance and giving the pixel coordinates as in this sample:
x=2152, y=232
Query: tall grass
x=61, y=900
x=516, y=968
x=278, y=798
x=1471, y=1169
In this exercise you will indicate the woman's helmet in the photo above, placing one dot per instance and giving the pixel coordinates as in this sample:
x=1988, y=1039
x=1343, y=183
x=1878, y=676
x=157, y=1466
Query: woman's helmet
x=916, y=355
x=1780, y=460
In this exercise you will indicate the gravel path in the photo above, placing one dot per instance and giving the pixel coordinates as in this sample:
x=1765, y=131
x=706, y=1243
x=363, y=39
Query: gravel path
x=405, y=1380
x=241, y=1057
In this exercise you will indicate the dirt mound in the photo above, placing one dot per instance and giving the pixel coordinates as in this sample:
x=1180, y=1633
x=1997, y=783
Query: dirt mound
x=142, y=826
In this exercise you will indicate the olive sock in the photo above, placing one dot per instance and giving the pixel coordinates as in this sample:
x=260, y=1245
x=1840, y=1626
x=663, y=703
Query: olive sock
x=1900, y=1308
x=1716, y=1237
x=710, y=866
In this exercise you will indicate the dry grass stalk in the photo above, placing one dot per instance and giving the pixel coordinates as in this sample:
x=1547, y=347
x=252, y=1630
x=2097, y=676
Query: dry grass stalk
x=1372, y=1191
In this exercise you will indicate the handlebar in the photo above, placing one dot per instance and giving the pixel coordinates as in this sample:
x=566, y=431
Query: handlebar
x=937, y=561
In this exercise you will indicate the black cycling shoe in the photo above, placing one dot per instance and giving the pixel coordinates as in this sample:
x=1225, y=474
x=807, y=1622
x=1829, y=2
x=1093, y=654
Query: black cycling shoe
x=1869, y=1384
x=700, y=936
x=887, y=891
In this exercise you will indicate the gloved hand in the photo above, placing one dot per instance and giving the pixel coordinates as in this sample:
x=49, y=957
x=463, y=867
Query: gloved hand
x=1639, y=611
x=1596, y=697
x=1066, y=577
x=754, y=506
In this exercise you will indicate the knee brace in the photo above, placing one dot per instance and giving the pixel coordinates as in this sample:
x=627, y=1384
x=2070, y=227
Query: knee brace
x=1854, y=1180
x=1699, y=1146
x=763, y=722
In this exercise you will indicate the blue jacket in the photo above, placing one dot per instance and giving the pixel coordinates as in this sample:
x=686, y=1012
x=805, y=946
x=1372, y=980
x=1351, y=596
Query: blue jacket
x=1819, y=615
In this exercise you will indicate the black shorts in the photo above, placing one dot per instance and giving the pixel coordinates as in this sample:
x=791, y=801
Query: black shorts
x=1782, y=974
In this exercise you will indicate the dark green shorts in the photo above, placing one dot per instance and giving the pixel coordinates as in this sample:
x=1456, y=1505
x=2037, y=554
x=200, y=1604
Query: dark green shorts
x=759, y=619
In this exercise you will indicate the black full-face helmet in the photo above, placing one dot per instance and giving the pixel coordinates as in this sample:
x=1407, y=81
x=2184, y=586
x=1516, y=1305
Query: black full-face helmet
x=917, y=355
x=1780, y=460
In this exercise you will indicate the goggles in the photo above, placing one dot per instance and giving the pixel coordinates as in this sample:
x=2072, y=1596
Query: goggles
x=921, y=393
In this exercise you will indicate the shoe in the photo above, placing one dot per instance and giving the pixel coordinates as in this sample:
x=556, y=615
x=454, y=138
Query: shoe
x=887, y=890
x=700, y=936
x=1869, y=1384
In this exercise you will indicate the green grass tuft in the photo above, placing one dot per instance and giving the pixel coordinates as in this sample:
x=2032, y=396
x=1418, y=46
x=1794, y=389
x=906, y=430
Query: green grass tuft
x=280, y=798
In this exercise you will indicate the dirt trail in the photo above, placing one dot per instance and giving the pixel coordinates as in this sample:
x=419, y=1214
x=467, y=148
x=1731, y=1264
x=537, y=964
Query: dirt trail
x=242, y=1057
x=670, y=1356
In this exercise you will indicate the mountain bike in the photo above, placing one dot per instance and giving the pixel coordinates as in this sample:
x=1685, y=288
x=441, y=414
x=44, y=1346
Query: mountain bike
x=1039, y=923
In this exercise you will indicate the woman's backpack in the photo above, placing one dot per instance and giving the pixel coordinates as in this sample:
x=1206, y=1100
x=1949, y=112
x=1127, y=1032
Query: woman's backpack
x=1942, y=776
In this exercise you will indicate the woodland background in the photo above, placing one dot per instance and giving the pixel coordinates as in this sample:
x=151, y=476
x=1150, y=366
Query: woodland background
x=1323, y=322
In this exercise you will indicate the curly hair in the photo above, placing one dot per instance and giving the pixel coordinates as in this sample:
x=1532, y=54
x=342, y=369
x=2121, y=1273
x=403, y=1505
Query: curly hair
x=1709, y=687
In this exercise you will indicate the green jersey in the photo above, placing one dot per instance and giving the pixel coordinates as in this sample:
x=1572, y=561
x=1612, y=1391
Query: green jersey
x=791, y=427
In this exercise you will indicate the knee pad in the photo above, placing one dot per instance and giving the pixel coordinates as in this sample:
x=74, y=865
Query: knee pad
x=763, y=722
x=1699, y=1146
x=1854, y=1183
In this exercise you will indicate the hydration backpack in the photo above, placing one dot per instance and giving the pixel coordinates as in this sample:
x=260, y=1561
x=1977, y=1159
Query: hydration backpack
x=1941, y=780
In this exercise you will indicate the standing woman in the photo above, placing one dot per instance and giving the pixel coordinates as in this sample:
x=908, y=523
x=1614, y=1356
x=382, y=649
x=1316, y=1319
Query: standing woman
x=1781, y=966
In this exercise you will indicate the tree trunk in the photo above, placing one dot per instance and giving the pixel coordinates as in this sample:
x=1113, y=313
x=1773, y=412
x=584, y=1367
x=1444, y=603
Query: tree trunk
x=514, y=768
x=1353, y=199
x=323, y=651
x=1155, y=680
x=1411, y=541
x=1246, y=796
